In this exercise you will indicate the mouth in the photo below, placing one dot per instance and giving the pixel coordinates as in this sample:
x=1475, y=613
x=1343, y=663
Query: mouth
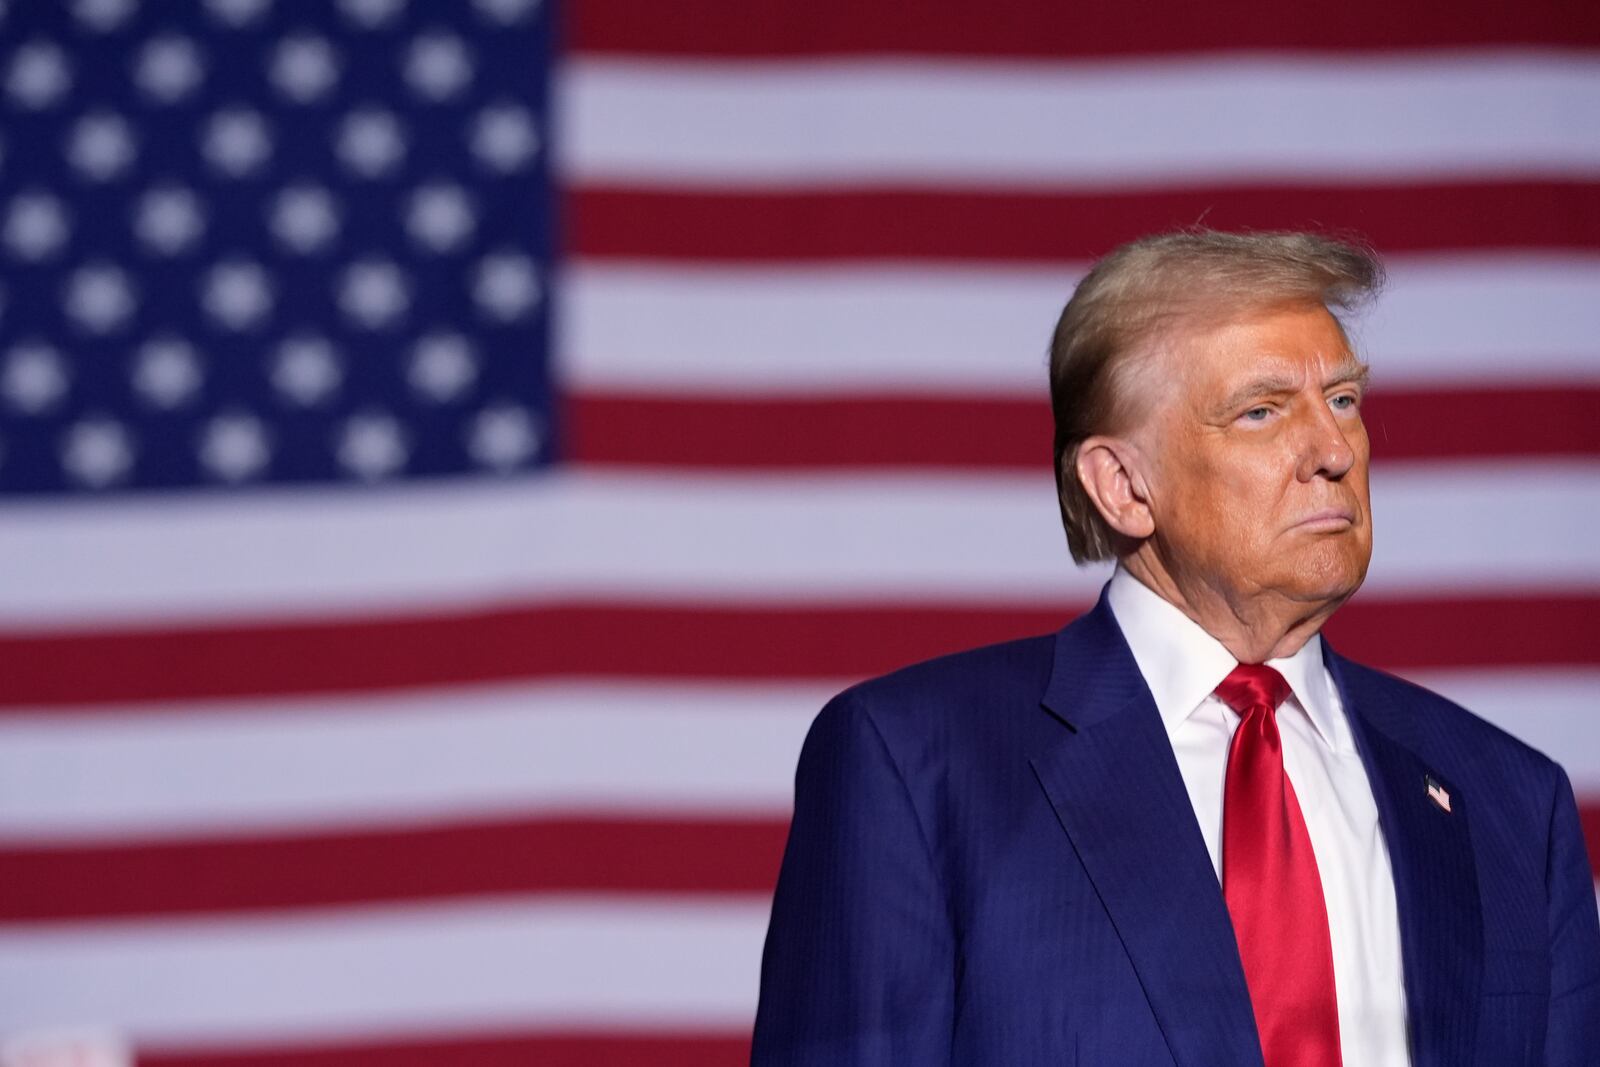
x=1327, y=520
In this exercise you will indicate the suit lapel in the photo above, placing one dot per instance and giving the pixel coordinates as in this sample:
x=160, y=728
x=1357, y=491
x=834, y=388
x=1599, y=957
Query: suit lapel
x=1435, y=877
x=1117, y=792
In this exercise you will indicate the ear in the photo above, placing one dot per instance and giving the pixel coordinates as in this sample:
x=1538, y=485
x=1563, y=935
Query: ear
x=1109, y=470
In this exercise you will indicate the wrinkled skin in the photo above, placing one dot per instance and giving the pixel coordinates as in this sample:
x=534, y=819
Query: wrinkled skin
x=1244, y=479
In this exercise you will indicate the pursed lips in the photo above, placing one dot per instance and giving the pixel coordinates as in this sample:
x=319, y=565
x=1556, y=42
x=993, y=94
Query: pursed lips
x=1328, y=519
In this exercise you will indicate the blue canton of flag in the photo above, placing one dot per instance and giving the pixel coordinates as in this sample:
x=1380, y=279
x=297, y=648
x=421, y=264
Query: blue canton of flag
x=254, y=243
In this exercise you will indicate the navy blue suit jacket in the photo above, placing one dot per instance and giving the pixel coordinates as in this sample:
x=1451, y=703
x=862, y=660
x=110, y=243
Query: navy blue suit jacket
x=993, y=861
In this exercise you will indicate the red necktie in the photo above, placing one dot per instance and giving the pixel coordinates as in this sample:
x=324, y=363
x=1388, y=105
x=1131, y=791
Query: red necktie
x=1270, y=880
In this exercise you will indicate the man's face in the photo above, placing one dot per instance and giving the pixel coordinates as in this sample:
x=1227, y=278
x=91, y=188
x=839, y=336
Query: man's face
x=1259, y=481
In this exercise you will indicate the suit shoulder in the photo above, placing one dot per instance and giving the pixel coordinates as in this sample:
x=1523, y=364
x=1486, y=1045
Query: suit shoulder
x=968, y=708
x=974, y=671
x=955, y=684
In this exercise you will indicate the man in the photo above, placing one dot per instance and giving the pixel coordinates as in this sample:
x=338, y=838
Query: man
x=1184, y=830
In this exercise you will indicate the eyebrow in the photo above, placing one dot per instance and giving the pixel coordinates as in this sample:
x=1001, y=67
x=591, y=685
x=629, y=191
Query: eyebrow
x=1347, y=373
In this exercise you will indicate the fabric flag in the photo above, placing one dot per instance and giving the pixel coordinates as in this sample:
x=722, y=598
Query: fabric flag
x=451, y=451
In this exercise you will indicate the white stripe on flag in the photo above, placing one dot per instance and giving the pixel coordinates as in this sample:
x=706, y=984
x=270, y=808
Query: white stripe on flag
x=1147, y=122
x=805, y=538
x=660, y=750
x=377, y=972
x=397, y=758
x=829, y=330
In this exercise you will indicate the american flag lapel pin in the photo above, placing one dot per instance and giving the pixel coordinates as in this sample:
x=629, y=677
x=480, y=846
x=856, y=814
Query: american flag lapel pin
x=1436, y=792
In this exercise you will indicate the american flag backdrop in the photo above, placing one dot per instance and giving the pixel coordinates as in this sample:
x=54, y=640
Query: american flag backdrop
x=451, y=450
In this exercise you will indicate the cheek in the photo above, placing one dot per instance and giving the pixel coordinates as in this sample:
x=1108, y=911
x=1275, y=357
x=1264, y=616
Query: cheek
x=1225, y=511
x=1246, y=492
x=1223, y=498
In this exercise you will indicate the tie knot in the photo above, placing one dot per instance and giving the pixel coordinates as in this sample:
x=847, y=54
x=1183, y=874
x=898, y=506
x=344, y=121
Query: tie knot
x=1253, y=685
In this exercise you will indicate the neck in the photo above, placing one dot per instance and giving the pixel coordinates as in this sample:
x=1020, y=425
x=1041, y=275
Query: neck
x=1254, y=625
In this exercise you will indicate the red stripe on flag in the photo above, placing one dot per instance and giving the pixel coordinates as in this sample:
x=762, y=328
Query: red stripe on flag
x=566, y=1049
x=967, y=432
x=647, y=640
x=710, y=432
x=692, y=640
x=646, y=223
x=1589, y=816
x=1483, y=631
x=1040, y=28
x=245, y=873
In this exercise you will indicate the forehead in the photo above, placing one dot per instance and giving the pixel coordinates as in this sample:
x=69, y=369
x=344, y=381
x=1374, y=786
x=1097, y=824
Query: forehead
x=1296, y=342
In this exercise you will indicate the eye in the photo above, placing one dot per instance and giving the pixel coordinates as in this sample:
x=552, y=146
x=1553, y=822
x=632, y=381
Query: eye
x=1257, y=414
x=1343, y=402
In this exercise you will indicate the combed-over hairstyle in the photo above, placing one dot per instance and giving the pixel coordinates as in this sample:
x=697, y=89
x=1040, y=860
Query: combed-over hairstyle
x=1142, y=290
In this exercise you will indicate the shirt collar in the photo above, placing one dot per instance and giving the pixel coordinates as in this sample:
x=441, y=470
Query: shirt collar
x=1182, y=664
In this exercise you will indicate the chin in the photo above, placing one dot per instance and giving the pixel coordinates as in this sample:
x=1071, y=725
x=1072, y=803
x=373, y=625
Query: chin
x=1328, y=576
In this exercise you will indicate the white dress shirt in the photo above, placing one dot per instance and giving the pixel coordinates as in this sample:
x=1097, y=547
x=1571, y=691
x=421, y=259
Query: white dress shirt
x=1183, y=665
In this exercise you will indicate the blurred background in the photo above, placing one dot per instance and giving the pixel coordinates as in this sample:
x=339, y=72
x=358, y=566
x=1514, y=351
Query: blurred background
x=449, y=451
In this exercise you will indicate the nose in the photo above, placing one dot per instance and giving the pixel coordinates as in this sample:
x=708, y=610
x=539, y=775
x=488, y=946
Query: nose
x=1325, y=449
